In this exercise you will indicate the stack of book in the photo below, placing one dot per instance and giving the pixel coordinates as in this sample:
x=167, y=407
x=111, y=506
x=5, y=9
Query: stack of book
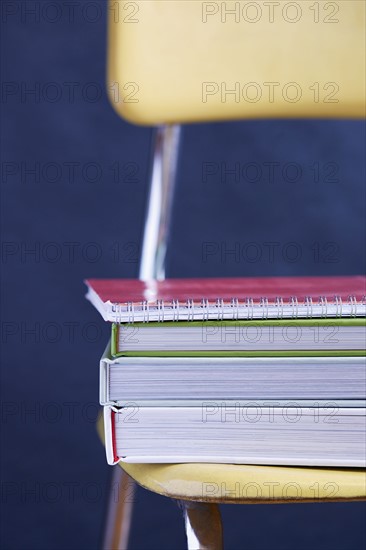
x=248, y=371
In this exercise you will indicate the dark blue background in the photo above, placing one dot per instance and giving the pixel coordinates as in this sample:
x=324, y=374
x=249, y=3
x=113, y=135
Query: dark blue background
x=54, y=451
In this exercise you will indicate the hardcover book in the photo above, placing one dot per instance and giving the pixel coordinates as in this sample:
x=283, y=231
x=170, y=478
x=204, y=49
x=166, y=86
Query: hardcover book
x=178, y=381
x=285, y=435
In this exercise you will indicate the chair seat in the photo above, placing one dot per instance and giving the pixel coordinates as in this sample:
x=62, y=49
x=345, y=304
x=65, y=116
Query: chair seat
x=246, y=484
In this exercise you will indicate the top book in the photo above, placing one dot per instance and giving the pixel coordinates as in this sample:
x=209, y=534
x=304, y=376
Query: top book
x=131, y=300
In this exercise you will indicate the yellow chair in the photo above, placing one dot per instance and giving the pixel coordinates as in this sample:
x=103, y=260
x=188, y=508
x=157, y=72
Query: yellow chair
x=179, y=61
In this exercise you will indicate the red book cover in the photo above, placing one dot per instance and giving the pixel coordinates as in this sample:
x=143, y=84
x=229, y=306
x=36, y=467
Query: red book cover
x=128, y=300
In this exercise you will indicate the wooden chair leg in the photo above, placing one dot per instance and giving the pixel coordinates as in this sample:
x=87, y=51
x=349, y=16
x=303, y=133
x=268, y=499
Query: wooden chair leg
x=119, y=513
x=203, y=525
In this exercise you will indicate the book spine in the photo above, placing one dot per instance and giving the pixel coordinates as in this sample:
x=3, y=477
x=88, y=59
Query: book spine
x=114, y=339
x=103, y=382
x=110, y=435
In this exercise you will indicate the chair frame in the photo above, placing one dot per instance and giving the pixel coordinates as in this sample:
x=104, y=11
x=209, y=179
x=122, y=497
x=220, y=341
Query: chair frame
x=202, y=520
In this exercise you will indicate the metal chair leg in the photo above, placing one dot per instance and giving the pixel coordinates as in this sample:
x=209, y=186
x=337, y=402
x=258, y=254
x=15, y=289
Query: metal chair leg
x=203, y=525
x=119, y=513
x=152, y=266
x=160, y=201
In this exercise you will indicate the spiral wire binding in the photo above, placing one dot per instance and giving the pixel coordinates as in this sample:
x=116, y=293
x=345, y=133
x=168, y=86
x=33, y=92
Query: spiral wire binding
x=324, y=304
x=264, y=304
x=145, y=306
x=353, y=302
x=338, y=303
x=175, y=307
x=160, y=306
x=234, y=309
x=220, y=309
x=309, y=307
x=235, y=306
x=205, y=306
x=190, y=306
x=295, y=307
x=279, y=305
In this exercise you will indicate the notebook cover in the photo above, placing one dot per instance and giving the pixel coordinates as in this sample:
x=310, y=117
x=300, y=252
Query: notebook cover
x=135, y=291
x=123, y=291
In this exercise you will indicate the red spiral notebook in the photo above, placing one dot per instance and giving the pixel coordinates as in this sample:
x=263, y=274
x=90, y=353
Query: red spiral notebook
x=130, y=300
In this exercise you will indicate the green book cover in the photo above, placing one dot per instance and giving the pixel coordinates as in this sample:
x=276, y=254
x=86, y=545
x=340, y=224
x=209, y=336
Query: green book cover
x=312, y=323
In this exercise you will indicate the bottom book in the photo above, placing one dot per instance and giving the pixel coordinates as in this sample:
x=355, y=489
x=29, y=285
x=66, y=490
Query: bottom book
x=326, y=435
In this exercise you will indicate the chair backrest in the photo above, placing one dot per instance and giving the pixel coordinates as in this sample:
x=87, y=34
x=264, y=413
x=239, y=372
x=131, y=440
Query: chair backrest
x=174, y=61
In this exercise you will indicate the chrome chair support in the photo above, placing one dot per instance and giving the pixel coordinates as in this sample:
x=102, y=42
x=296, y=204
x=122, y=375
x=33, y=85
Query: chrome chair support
x=119, y=511
x=152, y=266
x=203, y=525
x=160, y=202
